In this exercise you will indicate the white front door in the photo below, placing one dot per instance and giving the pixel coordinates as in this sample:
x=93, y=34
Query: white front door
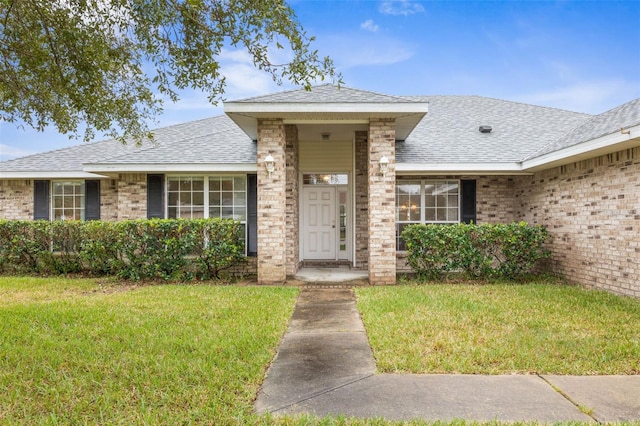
x=319, y=222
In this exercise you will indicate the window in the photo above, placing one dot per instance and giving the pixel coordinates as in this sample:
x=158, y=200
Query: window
x=426, y=201
x=325, y=179
x=228, y=197
x=185, y=195
x=192, y=197
x=68, y=200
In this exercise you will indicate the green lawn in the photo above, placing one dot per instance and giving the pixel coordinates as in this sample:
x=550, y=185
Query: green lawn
x=501, y=329
x=72, y=352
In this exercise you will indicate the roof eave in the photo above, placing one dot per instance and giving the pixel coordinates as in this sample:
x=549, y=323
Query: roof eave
x=246, y=114
x=460, y=168
x=170, y=167
x=617, y=141
x=50, y=175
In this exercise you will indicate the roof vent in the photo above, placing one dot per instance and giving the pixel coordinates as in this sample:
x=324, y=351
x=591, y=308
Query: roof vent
x=485, y=129
x=325, y=136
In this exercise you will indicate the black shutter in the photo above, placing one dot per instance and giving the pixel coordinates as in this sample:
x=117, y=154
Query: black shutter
x=41, y=199
x=155, y=196
x=468, y=188
x=252, y=215
x=92, y=200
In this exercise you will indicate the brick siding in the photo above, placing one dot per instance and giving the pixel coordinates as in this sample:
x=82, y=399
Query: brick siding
x=362, y=200
x=292, y=208
x=16, y=199
x=132, y=196
x=272, y=203
x=382, y=203
x=592, y=209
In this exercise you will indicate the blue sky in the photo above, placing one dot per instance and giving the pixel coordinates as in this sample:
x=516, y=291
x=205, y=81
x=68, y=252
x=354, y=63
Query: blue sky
x=576, y=55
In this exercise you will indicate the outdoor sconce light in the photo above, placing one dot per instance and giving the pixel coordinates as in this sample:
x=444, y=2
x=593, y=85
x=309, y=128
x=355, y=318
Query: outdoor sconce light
x=270, y=164
x=384, y=166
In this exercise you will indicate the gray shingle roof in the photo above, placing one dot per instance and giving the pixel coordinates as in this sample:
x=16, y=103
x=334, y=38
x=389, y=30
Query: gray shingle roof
x=212, y=140
x=327, y=93
x=449, y=132
x=623, y=116
x=65, y=159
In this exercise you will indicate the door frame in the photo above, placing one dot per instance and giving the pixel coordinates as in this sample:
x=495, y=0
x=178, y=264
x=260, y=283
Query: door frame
x=347, y=254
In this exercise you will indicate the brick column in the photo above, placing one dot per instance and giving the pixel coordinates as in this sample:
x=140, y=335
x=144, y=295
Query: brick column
x=293, y=215
x=362, y=199
x=272, y=205
x=382, y=201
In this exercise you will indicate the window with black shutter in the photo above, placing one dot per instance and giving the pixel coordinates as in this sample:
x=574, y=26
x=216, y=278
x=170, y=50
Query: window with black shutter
x=155, y=196
x=41, y=199
x=92, y=200
x=468, y=213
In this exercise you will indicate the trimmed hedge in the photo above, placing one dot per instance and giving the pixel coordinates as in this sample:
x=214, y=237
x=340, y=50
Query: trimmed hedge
x=134, y=249
x=479, y=251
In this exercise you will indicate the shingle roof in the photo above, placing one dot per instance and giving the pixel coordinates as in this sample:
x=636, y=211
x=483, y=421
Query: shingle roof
x=450, y=131
x=327, y=93
x=65, y=159
x=623, y=116
x=211, y=140
x=448, y=134
x=214, y=140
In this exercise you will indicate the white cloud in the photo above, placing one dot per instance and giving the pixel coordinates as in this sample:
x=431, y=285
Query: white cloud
x=594, y=97
x=7, y=152
x=357, y=50
x=243, y=79
x=369, y=25
x=400, y=7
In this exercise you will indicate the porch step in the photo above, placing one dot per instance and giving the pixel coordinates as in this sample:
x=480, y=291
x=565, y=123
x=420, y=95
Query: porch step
x=326, y=264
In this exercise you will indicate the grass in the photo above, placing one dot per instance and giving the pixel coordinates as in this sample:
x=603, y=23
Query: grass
x=72, y=352
x=75, y=351
x=501, y=329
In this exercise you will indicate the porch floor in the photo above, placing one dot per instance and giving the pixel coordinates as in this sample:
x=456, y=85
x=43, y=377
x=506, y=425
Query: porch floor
x=330, y=275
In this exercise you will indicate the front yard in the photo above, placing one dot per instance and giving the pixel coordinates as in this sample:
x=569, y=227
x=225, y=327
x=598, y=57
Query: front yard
x=501, y=329
x=75, y=351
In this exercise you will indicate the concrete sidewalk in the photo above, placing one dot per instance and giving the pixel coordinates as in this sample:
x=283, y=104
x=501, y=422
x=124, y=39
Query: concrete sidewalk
x=325, y=366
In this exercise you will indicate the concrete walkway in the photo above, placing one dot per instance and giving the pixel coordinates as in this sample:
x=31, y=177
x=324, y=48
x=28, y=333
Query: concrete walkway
x=325, y=366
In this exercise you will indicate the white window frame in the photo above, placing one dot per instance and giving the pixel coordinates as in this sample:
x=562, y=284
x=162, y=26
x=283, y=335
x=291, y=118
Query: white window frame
x=423, y=206
x=206, y=204
x=53, y=196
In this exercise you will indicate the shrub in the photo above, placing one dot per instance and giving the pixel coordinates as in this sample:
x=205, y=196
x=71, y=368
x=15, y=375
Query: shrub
x=155, y=248
x=65, y=239
x=479, y=251
x=24, y=244
x=99, y=248
x=219, y=246
x=135, y=249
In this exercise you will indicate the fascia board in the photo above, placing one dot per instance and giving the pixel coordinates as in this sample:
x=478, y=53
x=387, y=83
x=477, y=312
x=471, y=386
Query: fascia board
x=50, y=175
x=459, y=168
x=603, y=145
x=170, y=168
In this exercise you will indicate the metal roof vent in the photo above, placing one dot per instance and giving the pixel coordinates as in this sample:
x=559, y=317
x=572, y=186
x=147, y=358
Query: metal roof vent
x=485, y=129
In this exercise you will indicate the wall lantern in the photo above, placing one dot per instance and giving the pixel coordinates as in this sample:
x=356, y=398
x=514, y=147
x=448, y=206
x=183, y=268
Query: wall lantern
x=384, y=166
x=270, y=164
